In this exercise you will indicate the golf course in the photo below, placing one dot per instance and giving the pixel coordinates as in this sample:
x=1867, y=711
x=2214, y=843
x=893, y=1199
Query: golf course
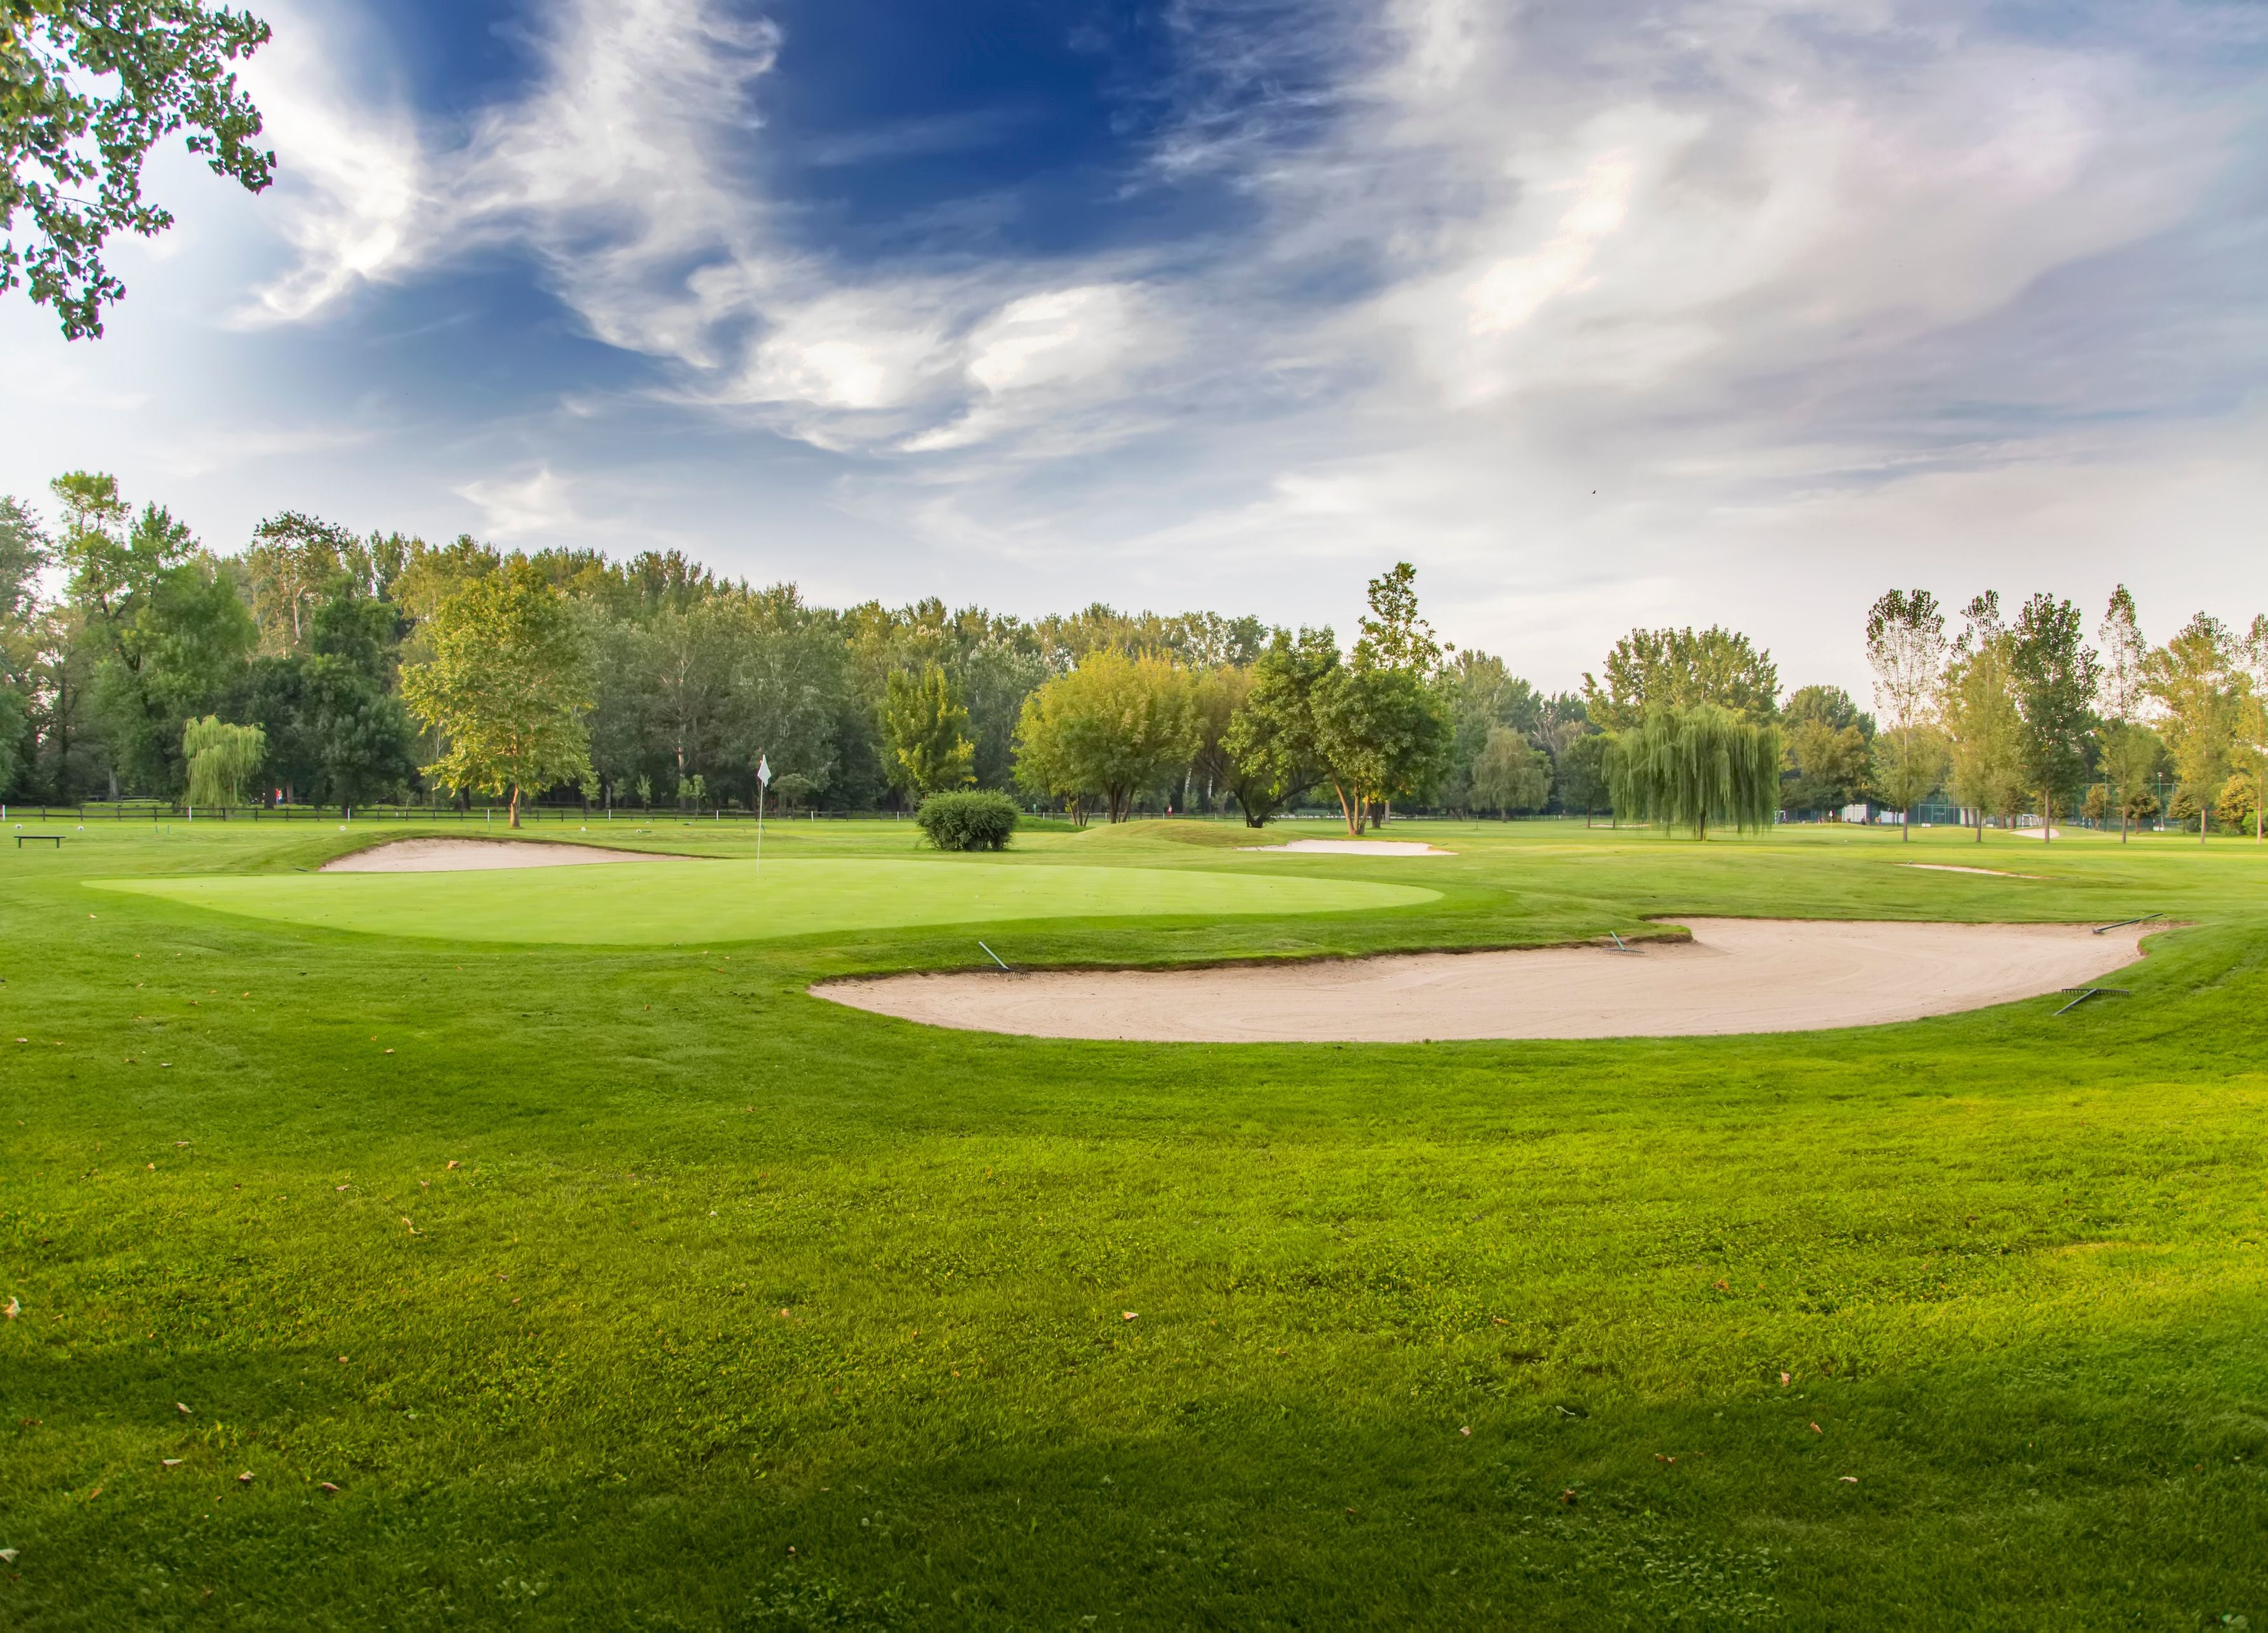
x=534, y=1248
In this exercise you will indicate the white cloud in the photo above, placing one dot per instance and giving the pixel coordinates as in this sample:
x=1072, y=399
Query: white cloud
x=532, y=506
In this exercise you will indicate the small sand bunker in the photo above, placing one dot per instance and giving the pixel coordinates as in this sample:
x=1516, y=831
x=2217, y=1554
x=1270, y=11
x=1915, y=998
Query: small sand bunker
x=1735, y=975
x=1947, y=867
x=468, y=856
x=1357, y=848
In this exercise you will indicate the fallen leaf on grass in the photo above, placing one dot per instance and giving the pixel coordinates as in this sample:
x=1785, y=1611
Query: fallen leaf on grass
x=1816, y=1430
x=169, y=1462
x=1783, y=1380
x=1850, y=1480
x=94, y=1494
x=13, y=1310
x=7, y=1555
x=328, y=1486
x=244, y=1479
x=1128, y=1316
x=1722, y=1287
x=452, y=1163
x=1465, y=1431
x=1568, y=1496
x=183, y=1410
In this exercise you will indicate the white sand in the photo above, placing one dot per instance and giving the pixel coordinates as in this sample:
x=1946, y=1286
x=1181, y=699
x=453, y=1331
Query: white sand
x=1947, y=867
x=1737, y=975
x=467, y=855
x=1357, y=848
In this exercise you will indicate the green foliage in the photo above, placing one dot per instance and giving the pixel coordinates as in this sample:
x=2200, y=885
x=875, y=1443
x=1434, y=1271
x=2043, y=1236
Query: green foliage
x=925, y=729
x=2196, y=681
x=506, y=687
x=1510, y=773
x=2131, y=756
x=2055, y=674
x=1678, y=669
x=974, y=820
x=1830, y=745
x=1690, y=767
x=87, y=87
x=1269, y=741
x=1394, y=636
x=1983, y=730
x=1379, y=735
x=1584, y=774
x=1113, y=726
x=221, y=759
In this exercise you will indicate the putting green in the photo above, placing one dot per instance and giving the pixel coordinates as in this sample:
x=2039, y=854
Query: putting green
x=667, y=902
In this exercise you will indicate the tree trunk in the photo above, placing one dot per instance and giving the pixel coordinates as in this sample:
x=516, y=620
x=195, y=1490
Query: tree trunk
x=515, y=806
x=1905, y=825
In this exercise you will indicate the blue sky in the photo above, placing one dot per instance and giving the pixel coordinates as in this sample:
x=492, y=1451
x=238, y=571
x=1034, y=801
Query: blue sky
x=1602, y=315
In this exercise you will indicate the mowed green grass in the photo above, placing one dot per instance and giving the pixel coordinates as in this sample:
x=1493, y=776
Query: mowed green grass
x=666, y=904
x=631, y=1286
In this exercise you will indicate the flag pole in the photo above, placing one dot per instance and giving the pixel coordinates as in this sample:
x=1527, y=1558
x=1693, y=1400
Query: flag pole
x=763, y=782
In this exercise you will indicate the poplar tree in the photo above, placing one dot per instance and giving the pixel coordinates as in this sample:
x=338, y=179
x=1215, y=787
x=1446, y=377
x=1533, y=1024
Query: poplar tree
x=1906, y=645
x=2055, y=673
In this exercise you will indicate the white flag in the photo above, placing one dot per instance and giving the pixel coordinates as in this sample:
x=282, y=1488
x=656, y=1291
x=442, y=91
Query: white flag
x=764, y=771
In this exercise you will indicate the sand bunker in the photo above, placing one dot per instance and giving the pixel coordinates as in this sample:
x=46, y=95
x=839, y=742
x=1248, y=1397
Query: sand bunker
x=1735, y=975
x=467, y=856
x=1947, y=867
x=1357, y=848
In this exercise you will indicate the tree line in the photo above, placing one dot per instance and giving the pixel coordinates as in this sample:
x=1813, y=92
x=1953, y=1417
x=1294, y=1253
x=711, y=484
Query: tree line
x=317, y=665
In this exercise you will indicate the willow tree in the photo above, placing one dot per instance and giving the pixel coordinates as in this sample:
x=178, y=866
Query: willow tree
x=221, y=757
x=1698, y=766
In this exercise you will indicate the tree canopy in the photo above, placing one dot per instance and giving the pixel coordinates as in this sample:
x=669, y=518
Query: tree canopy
x=506, y=687
x=1698, y=766
x=87, y=88
x=1678, y=669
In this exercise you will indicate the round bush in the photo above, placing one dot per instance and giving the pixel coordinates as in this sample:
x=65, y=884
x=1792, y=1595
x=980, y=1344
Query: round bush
x=967, y=821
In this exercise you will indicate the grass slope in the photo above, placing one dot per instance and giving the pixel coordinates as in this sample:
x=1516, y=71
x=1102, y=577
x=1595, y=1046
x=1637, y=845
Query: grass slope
x=634, y=1287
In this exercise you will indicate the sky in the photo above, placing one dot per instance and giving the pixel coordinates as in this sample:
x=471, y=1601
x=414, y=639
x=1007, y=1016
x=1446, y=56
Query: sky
x=1601, y=315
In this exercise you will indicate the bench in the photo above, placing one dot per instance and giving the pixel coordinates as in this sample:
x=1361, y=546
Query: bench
x=56, y=840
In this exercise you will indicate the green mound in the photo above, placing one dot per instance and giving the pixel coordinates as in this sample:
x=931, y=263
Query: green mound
x=662, y=903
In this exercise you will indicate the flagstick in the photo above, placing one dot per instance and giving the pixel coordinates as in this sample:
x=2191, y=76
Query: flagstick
x=760, y=825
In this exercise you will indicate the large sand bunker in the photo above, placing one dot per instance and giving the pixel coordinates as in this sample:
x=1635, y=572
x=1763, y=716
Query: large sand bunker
x=471, y=855
x=1735, y=975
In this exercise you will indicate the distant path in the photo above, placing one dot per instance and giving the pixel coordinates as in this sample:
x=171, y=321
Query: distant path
x=1735, y=975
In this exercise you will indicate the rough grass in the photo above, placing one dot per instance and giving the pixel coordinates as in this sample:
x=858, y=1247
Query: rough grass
x=740, y=1309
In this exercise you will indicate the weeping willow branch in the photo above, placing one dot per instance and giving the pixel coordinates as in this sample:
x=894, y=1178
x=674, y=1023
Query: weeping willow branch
x=1690, y=767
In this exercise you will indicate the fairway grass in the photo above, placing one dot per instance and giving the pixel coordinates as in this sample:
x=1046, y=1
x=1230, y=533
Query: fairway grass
x=630, y=1285
x=675, y=903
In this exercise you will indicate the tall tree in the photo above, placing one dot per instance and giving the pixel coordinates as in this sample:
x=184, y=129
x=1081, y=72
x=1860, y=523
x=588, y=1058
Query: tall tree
x=1827, y=744
x=1978, y=705
x=1690, y=768
x=2055, y=674
x=1511, y=773
x=1113, y=726
x=1584, y=774
x=293, y=566
x=2131, y=755
x=1394, y=636
x=221, y=757
x=1379, y=735
x=2129, y=751
x=925, y=726
x=2196, y=681
x=506, y=688
x=1271, y=739
x=1677, y=668
x=23, y=557
x=1907, y=648
x=87, y=88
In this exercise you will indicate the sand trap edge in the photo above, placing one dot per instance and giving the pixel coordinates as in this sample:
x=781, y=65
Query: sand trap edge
x=460, y=854
x=2003, y=963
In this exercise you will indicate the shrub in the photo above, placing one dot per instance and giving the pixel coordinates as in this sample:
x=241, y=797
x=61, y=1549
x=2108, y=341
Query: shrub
x=967, y=821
